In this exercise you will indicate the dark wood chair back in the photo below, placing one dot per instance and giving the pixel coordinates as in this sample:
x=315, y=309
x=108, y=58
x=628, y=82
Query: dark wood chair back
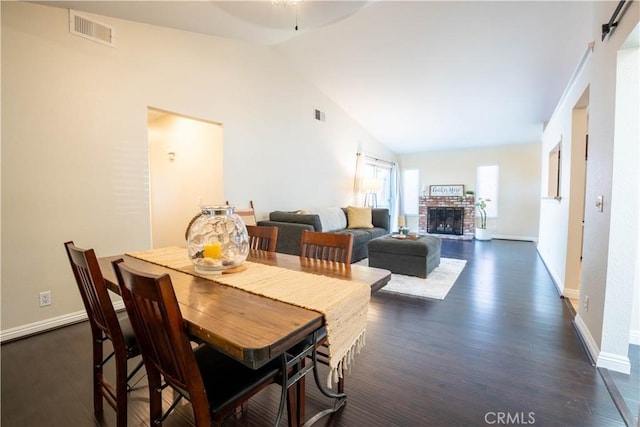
x=262, y=237
x=156, y=319
x=105, y=324
x=248, y=215
x=335, y=247
x=86, y=270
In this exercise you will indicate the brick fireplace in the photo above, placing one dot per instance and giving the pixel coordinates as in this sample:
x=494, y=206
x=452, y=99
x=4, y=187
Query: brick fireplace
x=465, y=203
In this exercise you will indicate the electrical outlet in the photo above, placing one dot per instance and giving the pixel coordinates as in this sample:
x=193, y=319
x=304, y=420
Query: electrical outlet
x=586, y=303
x=45, y=298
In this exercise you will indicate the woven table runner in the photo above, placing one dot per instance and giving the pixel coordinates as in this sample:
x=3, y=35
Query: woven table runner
x=343, y=303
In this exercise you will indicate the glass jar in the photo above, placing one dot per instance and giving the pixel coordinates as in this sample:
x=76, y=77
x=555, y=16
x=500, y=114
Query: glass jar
x=217, y=240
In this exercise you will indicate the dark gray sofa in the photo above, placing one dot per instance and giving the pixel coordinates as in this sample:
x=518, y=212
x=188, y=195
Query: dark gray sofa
x=291, y=224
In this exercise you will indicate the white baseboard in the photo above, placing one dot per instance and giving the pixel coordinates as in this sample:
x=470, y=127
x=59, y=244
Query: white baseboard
x=587, y=338
x=509, y=237
x=634, y=337
x=602, y=359
x=48, y=324
x=614, y=362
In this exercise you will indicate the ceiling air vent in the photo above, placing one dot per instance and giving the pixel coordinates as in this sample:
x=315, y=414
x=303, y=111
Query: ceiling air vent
x=86, y=27
x=319, y=115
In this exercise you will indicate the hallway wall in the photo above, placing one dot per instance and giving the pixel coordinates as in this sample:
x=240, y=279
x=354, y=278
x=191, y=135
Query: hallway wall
x=600, y=296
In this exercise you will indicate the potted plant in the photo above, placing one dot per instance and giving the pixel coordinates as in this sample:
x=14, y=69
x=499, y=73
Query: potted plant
x=468, y=193
x=481, y=231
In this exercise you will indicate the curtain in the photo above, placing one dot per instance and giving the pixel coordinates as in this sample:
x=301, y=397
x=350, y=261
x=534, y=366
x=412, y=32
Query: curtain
x=358, y=193
x=388, y=174
x=395, y=209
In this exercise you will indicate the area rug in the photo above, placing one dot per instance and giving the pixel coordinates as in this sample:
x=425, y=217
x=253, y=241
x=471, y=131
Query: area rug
x=436, y=286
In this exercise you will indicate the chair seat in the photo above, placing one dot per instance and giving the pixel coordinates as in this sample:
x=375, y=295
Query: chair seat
x=227, y=380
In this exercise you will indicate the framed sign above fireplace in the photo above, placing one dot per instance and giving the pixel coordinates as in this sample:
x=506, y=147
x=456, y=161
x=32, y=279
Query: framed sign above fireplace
x=446, y=190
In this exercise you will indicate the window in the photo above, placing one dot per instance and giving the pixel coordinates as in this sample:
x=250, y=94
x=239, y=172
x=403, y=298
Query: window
x=487, y=187
x=410, y=191
x=377, y=177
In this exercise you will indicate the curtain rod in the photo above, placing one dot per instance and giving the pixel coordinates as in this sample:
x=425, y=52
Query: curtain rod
x=376, y=159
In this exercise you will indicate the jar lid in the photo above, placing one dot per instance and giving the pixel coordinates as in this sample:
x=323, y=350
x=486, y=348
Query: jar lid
x=218, y=209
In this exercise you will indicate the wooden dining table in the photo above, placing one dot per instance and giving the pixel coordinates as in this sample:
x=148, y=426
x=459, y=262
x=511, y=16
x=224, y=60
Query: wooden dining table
x=252, y=329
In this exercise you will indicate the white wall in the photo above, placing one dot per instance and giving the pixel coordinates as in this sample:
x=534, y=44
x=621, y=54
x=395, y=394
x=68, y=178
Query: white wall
x=634, y=328
x=518, y=187
x=599, y=77
x=625, y=205
x=561, y=220
x=75, y=161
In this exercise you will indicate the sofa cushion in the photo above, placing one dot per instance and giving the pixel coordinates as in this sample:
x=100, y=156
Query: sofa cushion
x=294, y=217
x=332, y=219
x=423, y=246
x=359, y=217
x=362, y=235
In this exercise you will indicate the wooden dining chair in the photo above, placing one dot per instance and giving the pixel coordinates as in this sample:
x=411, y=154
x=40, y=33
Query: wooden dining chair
x=248, y=215
x=262, y=237
x=335, y=247
x=105, y=325
x=214, y=383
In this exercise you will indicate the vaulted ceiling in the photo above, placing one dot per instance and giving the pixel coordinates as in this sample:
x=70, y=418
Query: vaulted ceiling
x=417, y=75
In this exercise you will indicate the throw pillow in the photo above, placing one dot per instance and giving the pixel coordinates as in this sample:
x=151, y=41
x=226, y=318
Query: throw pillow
x=359, y=217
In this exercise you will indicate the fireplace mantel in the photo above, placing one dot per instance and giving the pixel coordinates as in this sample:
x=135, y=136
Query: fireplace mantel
x=465, y=202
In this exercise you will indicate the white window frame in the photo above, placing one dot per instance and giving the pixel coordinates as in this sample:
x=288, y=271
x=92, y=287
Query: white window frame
x=487, y=187
x=410, y=191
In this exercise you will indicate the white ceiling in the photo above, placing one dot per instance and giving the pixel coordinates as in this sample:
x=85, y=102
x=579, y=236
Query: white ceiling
x=417, y=75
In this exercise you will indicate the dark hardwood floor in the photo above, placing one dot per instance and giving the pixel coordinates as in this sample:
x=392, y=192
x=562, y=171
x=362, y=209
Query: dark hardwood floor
x=625, y=389
x=501, y=346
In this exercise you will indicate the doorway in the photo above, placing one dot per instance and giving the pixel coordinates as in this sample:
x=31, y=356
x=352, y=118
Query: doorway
x=185, y=171
x=577, y=178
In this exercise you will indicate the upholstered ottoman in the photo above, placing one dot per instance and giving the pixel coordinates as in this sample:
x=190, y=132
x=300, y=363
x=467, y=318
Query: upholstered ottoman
x=405, y=256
